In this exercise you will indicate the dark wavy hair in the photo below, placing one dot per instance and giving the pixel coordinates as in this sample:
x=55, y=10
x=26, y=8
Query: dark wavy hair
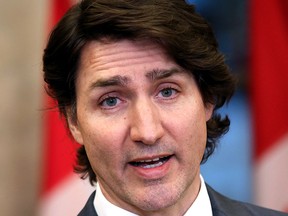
x=174, y=25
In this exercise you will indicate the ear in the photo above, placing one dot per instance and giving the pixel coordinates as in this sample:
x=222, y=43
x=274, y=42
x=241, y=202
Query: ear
x=74, y=127
x=209, y=108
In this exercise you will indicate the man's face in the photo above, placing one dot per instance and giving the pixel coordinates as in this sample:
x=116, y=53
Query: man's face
x=142, y=121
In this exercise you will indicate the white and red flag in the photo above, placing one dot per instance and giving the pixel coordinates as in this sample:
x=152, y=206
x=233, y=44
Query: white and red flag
x=269, y=88
x=62, y=191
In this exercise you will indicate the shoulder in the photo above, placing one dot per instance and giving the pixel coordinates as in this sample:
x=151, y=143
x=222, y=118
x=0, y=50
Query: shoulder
x=89, y=209
x=223, y=206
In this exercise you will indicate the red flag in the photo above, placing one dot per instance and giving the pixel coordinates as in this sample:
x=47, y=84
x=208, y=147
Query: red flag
x=58, y=151
x=269, y=88
x=62, y=192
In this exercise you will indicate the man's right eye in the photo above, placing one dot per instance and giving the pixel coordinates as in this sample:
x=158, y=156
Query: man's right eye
x=109, y=102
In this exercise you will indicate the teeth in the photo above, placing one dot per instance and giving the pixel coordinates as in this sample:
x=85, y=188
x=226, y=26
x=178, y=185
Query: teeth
x=150, y=163
x=153, y=165
x=147, y=161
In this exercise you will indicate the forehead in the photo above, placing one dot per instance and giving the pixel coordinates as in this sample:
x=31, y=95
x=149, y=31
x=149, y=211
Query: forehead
x=107, y=54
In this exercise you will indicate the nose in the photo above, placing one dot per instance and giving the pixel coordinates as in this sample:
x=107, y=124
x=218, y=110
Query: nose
x=146, y=125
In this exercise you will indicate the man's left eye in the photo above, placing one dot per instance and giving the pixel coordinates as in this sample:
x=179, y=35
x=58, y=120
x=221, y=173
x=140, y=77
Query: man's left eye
x=167, y=92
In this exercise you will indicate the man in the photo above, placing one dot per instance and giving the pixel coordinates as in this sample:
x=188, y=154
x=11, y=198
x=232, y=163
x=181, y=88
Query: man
x=139, y=83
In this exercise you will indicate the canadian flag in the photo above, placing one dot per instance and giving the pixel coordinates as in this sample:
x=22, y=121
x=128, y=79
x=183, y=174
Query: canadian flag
x=269, y=91
x=62, y=191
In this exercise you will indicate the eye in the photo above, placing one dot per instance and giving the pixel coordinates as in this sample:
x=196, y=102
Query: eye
x=168, y=92
x=110, y=102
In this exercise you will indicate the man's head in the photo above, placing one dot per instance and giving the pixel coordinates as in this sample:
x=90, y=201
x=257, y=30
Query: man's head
x=143, y=78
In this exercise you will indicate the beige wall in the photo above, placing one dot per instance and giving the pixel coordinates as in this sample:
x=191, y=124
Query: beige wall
x=22, y=30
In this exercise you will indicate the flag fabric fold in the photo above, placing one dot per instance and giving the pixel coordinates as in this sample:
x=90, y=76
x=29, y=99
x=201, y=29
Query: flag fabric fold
x=269, y=94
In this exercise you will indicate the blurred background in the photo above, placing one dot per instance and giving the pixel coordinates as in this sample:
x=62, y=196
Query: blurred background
x=36, y=173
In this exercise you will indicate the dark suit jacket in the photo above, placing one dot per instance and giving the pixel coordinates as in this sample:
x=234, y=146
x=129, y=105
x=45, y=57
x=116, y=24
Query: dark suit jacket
x=221, y=206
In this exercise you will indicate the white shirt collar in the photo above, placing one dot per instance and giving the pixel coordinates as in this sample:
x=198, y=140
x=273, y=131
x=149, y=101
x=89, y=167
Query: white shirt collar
x=105, y=208
x=201, y=205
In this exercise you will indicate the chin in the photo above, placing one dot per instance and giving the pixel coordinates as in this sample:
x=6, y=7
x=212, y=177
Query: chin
x=158, y=199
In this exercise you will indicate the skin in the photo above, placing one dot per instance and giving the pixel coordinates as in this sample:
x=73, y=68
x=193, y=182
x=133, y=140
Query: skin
x=135, y=103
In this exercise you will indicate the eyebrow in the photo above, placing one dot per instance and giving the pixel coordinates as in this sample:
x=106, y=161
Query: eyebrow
x=158, y=74
x=111, y=81
x=119, y=80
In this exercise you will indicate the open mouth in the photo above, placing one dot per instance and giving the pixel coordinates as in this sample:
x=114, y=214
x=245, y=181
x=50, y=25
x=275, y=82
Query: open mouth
x=151, y=163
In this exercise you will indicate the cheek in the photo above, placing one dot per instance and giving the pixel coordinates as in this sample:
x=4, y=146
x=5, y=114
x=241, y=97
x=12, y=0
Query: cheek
x=190, y=123
x=103, y=140
x=189, y=130
x=103, y=153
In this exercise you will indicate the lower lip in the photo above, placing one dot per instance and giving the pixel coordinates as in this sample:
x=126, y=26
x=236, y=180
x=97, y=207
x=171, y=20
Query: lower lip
x=153, y=173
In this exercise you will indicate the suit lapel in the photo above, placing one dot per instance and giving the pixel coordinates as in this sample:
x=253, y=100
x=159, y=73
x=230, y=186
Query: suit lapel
x=89, y=209
x=220, y=204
